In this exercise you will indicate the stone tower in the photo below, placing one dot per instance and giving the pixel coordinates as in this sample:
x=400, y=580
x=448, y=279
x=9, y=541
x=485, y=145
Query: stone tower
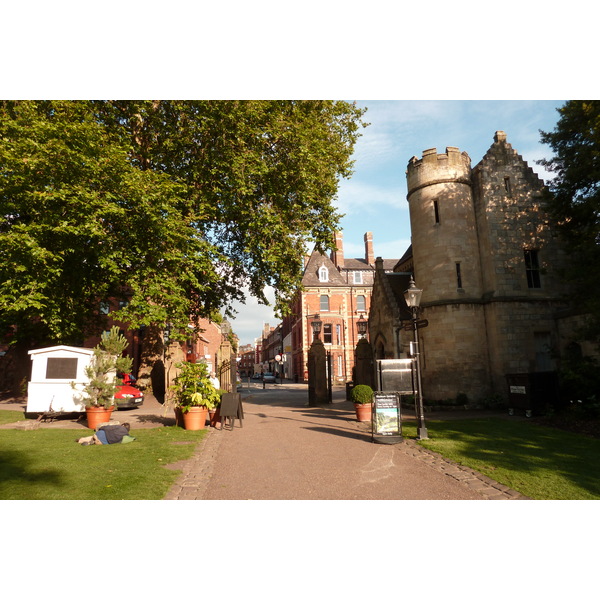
x=447, y=267
x=487, y=257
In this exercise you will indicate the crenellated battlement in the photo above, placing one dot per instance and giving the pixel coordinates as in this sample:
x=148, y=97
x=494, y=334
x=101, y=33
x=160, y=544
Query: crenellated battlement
x=451, y=166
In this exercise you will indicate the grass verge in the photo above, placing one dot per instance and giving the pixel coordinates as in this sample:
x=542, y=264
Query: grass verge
x=540, y=462
x=11, y=416
x=47, y=464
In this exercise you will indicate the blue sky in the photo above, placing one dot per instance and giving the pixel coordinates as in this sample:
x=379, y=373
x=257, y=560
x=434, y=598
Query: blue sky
x=374, y=199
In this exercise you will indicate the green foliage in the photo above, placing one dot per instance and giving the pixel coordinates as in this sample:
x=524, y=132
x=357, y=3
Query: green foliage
x=579, y=382
x=362, y=394
x=574, y=200
x=578, y=376
x=103, y=368
x=461, y=399
x=192, y=387
x=47, y=464
x=173, y=206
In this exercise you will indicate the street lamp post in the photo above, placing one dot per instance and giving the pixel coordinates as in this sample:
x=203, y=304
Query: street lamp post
x=317, y=358
x=363, y=356
x=413, y=299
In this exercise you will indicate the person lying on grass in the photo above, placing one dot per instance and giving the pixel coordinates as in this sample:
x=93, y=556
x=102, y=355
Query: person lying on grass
x=108, y=434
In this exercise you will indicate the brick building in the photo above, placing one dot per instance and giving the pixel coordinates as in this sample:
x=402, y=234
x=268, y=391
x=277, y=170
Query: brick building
x=338, y=290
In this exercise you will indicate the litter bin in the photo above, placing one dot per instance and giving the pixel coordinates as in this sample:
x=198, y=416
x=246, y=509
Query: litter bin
x=532, y=392
x=349, y=387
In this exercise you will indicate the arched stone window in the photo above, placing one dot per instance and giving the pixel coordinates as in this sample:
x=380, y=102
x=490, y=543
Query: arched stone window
x=323, y=274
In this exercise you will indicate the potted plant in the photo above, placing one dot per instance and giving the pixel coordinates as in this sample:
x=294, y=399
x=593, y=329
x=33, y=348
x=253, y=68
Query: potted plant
x=362, y=396
x=193, y=394
x=99, y=391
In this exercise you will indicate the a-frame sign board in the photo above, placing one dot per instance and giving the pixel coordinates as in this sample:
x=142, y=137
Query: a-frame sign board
x=386, y=425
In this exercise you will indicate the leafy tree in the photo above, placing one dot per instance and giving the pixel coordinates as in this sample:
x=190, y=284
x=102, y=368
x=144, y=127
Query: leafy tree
x=574, y=199
x=172, y=206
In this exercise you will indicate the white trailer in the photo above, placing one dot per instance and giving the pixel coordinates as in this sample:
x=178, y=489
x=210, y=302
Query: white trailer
x=53, y=370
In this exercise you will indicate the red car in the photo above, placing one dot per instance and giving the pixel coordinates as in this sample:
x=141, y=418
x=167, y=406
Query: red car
x=127, y=395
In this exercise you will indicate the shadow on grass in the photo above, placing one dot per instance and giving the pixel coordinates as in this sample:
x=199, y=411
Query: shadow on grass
x=17, y=467
x=527, y=450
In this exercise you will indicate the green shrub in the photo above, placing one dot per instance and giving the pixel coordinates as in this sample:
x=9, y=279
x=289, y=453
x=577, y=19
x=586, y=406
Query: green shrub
x=362, y=394
x=192, y=387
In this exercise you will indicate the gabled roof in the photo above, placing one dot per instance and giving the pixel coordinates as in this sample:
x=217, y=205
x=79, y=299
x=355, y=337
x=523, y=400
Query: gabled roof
x=356, y=264
x=405, y=258
x=393, y=286
x=353, y=264
x=311, y=272
x=398, y=283
x=73, y=349
x=501, y=154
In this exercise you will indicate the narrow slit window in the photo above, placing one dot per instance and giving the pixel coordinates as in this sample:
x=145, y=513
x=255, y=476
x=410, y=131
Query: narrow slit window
x=532, y=269
x=507, y=186
x=436, y=211
x=459, y=282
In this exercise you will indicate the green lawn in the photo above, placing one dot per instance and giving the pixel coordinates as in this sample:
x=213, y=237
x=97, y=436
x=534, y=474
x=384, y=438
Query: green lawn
x=47, y=464
x=540, y=462
x=11, y=416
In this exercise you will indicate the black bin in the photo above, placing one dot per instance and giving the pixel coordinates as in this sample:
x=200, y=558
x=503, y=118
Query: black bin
x=532, y=392
x=349, y=388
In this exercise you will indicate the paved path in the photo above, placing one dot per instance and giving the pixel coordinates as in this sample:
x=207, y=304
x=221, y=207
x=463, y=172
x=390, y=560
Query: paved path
x=286, y=450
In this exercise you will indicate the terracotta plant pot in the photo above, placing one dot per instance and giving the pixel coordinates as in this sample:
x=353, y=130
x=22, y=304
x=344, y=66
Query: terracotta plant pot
x=215, y=417
x=363, y=411
x=97, y=415
x=195, y=418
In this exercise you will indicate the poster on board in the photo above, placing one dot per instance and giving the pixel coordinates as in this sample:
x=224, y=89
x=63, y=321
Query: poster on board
x=387, y=426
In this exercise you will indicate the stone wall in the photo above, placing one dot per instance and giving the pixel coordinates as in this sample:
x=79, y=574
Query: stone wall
x=470, y=232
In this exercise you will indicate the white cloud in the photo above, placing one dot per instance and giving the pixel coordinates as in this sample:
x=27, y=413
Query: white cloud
x=356, y=197
x=251, y=317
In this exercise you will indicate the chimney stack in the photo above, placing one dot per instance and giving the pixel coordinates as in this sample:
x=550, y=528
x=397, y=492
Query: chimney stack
x=337, y=257
x=369, y=254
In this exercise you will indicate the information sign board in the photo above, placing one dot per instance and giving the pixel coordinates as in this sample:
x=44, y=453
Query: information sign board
x=396, y=375
x=387, y=427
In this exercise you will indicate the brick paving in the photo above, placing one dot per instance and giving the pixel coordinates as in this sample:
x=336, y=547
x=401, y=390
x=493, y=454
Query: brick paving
x=286, y=451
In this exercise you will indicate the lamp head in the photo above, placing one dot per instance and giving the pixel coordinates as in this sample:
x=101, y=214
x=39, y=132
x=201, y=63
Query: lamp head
x=413, y=295
x=316, y=325
x=361, y=325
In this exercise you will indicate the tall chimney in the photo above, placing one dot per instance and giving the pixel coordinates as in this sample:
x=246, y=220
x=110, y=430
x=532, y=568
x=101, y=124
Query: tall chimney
x=369, y=254
x=337, y=256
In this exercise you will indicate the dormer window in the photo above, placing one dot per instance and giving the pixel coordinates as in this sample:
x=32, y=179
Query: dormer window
x=323, y=274
x=358, y=277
